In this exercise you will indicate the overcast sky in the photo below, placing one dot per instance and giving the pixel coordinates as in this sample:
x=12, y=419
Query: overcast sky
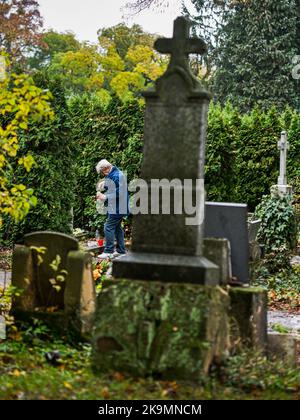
x=85, y=17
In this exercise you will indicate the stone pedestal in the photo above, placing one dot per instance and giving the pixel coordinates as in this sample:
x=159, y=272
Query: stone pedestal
x=281, y=190
x=283, y=347
x=167, y=330
x=174, y=330
x=248, y=317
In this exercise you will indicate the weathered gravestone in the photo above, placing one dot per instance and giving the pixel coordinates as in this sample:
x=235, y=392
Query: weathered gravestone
x=218, y=251
x=253, y=228
x=178, y=323
x=56, y=281
x=164, y=247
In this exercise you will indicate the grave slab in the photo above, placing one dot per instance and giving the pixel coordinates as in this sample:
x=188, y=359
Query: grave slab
x=229, y=221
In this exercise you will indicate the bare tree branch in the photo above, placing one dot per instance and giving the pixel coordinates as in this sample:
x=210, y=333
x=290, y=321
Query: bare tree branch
x=137, y=6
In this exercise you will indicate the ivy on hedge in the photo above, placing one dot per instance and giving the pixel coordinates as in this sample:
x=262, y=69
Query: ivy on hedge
x=278, y=230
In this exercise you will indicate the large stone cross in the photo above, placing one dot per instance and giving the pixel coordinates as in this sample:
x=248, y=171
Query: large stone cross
x=181, y=45
x=283, y=146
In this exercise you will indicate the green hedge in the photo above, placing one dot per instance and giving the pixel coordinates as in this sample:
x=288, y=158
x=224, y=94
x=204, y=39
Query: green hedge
x=242, y=160
x=113, y=133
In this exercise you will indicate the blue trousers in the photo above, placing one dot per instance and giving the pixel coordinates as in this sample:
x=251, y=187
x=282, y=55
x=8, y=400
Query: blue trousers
x=113, y=230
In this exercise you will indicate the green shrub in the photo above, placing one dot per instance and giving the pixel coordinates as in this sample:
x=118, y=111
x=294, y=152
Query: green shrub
x=278, y=230
x=242, y=159
x=222, y=134
x=53, y=176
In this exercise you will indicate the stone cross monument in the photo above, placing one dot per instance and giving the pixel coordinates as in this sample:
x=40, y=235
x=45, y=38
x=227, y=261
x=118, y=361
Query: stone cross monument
x=282, y=186
x=283, y=146
x=167, y=246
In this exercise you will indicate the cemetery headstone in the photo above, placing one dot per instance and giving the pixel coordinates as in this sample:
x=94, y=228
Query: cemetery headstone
x=256, y=249
x=218, y=251
x=164, y=247
x=56, y=280
x=253, y=228
x=229, y=220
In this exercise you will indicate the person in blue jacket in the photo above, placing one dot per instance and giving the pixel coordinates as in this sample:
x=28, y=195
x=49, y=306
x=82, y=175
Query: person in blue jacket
x=115, y=198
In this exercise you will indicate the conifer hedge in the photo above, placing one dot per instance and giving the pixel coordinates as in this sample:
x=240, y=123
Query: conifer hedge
x=242, y=159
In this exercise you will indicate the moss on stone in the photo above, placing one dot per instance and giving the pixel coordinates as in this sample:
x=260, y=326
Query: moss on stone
x=169, y=330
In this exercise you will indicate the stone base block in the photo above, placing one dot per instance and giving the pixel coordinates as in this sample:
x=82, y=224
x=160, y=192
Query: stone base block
x=168, y=268
x=284, y=347
x=248, y=316
x=77, y=296
x=281, y=190
x=167, y=330
x=60, y=324
x=217, y=250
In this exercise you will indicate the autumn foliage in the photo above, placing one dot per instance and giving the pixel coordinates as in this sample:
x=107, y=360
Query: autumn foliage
x=20, y=23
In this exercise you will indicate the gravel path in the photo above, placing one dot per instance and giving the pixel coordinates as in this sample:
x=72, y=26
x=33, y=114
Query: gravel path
x=284, y=319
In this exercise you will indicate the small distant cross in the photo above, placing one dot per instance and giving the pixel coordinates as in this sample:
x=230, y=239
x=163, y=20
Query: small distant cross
x=181, y=45
x=283, y=146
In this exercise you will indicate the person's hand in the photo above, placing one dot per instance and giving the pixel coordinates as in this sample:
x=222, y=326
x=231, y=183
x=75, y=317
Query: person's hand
x=101, y=196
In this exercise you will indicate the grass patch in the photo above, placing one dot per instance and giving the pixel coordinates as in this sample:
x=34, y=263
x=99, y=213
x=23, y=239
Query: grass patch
x=28, y=371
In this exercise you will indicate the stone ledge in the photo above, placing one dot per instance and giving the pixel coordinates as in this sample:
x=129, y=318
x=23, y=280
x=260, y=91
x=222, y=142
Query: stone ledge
x=166, y=268
x=283, y=347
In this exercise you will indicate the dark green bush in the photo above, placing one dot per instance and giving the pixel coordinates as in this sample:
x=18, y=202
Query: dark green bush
x=113, y=133
x=242, y=159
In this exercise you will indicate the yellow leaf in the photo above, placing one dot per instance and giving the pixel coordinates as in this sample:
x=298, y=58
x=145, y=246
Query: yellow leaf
x=16, y=373
x=67, y=385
